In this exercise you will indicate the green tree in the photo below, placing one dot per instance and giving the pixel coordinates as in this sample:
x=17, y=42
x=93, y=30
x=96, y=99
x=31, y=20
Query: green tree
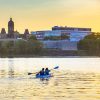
x=91, y=44
x=63, y=37
x=20, y=47
x=32, y=37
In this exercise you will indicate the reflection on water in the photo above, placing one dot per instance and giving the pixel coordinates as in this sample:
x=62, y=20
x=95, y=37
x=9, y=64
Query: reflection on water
x=10, y=69
x=65, y=85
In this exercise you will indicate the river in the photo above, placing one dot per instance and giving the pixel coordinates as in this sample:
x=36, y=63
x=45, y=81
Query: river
x=76, y=79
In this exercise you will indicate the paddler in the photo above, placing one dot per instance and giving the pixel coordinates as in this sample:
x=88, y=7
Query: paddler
x=47, y=71
x=42, y=72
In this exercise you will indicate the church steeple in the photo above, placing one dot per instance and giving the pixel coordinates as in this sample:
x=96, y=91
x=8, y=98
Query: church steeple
x=10, y=28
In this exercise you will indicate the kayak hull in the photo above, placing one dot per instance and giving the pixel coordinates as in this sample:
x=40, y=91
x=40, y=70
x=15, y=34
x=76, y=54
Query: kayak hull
x=44, y=76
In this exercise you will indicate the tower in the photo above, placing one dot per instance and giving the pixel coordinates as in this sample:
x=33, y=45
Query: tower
x=3, y=33
x=26, y=34
x=10, y=28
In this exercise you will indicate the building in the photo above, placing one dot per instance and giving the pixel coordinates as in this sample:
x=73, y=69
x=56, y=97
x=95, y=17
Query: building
x=26, y=34
x=3, y=34
x=16, y=34
x=60, y=44
x=74, y=33
x=39, y=34
x=11, y=29
x=11, y=33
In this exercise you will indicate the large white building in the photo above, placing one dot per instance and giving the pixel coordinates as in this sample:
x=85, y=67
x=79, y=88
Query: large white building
x=74, y=33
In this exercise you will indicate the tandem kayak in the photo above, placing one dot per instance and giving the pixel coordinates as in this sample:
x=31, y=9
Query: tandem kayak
x=44, y=76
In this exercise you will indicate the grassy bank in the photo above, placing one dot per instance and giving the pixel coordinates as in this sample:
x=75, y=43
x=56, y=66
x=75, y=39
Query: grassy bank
x=48, y=53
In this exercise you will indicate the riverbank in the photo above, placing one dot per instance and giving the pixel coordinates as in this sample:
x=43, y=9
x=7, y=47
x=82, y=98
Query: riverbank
x=50, y=53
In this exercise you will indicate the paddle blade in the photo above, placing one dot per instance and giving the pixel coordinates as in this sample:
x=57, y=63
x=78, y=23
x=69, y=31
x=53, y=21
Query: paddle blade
x=29, y=73
x=56, y=67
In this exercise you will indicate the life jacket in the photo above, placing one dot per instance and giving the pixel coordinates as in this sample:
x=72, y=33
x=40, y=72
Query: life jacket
x=41, y=72
x=47, y=72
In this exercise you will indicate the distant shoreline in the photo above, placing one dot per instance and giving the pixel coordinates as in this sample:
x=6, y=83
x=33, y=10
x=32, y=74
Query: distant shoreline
x=52, y=54
x=51, y=57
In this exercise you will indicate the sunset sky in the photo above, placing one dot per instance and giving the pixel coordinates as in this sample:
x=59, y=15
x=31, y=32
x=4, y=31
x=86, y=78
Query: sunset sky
x=43, y=14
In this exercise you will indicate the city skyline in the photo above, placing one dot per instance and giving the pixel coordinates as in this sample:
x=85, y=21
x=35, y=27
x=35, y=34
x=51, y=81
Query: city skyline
x=43, y=14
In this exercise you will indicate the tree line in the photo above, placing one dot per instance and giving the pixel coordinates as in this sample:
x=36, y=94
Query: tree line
x=90, y=44
x=21, y=47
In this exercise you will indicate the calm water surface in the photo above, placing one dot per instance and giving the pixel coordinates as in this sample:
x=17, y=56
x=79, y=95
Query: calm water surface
x=76, y=79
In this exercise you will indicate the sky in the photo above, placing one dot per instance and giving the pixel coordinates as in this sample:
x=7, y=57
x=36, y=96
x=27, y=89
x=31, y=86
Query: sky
x=43, y=14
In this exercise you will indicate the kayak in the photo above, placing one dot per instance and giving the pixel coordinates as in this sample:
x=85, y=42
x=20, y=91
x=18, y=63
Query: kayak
x=44, y=76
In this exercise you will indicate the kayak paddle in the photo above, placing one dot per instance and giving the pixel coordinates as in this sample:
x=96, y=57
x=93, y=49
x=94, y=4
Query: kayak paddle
x=30, y=73
x=51, y=69
x=56, y=67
